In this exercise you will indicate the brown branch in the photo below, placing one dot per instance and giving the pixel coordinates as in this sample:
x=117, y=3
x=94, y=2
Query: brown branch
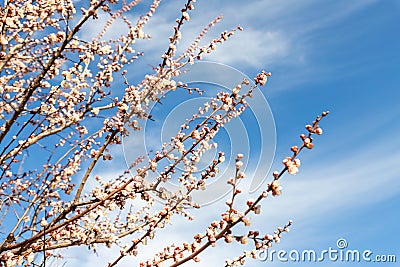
x=36, y=82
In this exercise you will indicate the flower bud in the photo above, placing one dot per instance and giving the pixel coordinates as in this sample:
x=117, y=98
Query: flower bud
x=309, y=145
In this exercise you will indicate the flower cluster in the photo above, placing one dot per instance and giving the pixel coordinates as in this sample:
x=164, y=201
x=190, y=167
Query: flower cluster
x=261, y=78
x=291, y=165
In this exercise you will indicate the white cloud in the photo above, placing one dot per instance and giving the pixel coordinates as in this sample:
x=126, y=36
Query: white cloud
x=93, y=28
x=253, y=47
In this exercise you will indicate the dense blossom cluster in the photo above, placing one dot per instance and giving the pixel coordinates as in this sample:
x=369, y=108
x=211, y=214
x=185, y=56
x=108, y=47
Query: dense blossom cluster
x=62, y=110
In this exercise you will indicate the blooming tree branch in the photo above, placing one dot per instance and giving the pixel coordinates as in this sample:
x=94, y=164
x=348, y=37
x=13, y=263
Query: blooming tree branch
x=67, y=100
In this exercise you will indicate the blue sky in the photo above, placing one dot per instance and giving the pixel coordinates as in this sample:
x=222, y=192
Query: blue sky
x=341, y=56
